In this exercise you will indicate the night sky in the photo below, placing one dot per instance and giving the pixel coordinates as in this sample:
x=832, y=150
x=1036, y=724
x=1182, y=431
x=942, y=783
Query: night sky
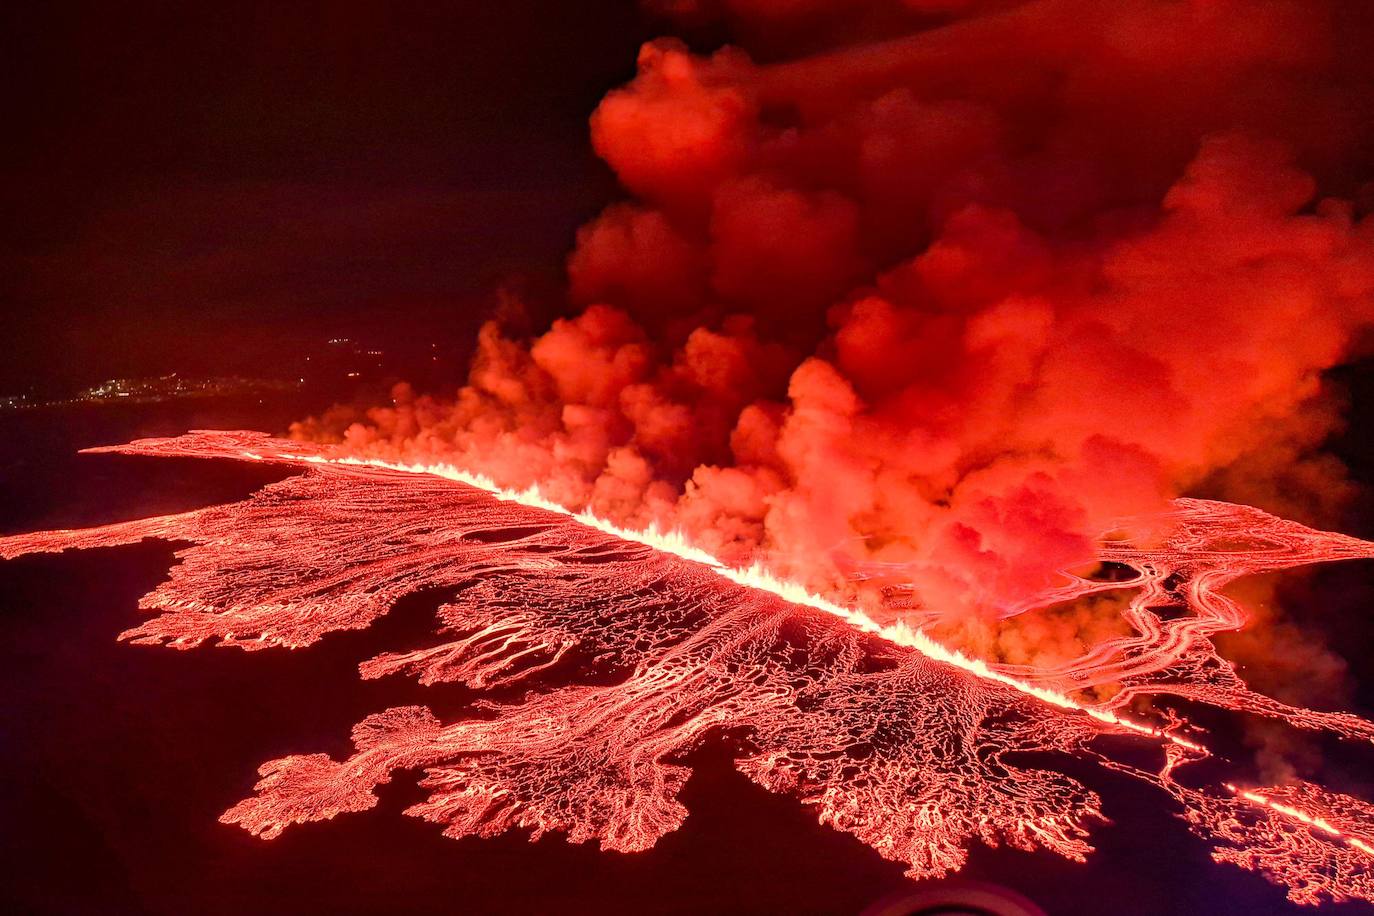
x=232, y=182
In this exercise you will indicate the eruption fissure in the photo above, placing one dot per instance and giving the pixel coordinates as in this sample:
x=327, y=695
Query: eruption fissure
x=756, y=577
x=1313, y=820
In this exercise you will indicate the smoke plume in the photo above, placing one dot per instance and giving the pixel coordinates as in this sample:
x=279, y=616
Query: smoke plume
x=926, y=295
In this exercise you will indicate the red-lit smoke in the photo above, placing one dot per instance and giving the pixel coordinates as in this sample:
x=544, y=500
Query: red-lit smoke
x=930, y=293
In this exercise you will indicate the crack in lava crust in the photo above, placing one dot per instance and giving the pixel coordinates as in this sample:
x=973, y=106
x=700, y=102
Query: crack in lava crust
x=635, y=649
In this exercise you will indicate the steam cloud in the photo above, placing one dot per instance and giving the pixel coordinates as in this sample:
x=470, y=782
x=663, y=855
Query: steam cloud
x=927, y=294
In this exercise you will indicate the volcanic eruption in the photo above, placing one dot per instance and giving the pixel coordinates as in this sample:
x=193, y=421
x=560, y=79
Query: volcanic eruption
x=928, y=312
x=947, y=364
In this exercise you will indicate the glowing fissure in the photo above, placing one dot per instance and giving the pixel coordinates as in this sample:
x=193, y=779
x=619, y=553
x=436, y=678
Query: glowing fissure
x=1321, y=838
x=628, y=649
x=1312, y=820
x=754, y=576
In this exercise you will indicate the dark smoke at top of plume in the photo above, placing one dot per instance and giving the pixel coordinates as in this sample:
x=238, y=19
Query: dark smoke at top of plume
x=927, y=294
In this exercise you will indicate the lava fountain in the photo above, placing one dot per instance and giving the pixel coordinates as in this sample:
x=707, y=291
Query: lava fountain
x=633, y=647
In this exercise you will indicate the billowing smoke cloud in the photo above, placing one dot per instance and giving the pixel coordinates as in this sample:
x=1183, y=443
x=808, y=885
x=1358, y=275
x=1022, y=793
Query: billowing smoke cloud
x=926, y=294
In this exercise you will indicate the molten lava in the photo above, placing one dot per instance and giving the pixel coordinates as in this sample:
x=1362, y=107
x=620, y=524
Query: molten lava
x=633, y=647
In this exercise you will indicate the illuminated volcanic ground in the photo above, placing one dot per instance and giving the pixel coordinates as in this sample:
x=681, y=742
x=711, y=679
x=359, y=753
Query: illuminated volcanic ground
x=635, y=648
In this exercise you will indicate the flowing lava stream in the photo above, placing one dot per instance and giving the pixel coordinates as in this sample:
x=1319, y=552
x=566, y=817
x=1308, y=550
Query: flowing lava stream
x=634, y=647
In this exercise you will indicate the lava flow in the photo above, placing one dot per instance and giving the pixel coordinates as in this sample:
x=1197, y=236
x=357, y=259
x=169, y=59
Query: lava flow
x=631, y=648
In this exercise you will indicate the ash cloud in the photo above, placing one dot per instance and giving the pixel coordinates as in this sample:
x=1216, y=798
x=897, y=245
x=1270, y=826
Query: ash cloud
x=926, y=295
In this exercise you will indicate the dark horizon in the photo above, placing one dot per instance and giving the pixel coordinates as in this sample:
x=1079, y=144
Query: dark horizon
x=213, y=190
